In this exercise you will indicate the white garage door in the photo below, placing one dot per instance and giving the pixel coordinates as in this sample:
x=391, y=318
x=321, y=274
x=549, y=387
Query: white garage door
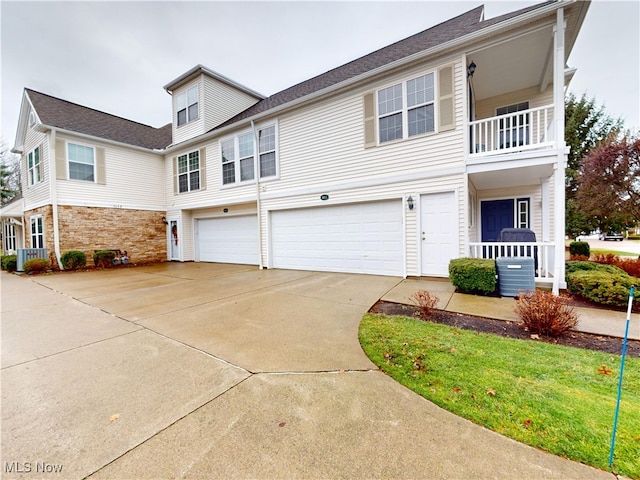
x=355, y=238
x=228, y=240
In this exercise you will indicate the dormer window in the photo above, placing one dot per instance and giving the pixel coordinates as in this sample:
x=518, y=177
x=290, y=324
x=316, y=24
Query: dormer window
x=187, y=105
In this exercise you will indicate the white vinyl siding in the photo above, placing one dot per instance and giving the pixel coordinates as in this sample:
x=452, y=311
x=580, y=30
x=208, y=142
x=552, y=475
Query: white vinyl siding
x=222, y=101
x=123, y=169
x=38, y=194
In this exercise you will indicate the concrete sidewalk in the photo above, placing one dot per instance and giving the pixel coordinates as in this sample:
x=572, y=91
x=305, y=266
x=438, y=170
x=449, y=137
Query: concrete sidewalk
x=222, y=371
x=590, y=320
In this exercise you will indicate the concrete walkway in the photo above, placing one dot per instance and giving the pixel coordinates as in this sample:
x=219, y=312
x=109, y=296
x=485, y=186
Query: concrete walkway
x=222, y=371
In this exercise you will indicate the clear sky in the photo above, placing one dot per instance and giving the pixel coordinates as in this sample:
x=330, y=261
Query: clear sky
x=117, y=56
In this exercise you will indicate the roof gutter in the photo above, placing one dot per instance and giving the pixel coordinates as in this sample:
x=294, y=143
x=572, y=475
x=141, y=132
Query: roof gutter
x=43, y=127
x=458, y=42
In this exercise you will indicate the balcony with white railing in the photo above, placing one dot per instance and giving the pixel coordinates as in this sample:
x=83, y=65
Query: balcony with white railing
x=514, y=132
x=541, y=252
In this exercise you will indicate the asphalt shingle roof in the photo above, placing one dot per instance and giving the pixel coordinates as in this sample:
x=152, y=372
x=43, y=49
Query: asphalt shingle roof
x=452, y=29
x=65, y=115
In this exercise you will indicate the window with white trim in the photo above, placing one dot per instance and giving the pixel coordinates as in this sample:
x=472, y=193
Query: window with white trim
x=410, y=104
x=187, y=105
x=9, y=237
x=82, y=162
x=34, y=167
x=188, y=169
x=37, y=232
x=522, y=209
x=238, y=156
x=267, y=151
x=237, y=159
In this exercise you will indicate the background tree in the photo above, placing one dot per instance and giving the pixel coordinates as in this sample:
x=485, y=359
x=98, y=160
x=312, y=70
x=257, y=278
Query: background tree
x=586, y=125
x=609, y=183
x=10, y=185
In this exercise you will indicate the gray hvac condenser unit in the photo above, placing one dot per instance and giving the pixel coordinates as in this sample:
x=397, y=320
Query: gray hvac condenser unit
x=24, y=254
x=515, y=275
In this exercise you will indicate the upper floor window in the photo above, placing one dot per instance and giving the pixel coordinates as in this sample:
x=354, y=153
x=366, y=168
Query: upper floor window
x=238, y=154
x=187, y=105
x=34, y=166
x=82, y=162
x=188, y=171
x=37, y=232
x=237, y=159
x=406, y=109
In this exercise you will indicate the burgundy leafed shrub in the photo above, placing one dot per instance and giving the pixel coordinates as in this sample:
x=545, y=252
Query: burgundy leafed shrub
x=631, y=266
x=578, y=258
x=426, y=302
x=543, y=313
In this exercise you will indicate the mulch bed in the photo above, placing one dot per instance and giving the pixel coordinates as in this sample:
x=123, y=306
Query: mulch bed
x=511, y=329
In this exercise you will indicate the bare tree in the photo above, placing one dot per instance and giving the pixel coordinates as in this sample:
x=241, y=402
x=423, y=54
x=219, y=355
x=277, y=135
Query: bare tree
x=10, y=181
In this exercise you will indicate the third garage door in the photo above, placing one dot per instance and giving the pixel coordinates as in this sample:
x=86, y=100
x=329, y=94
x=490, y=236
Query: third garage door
x=354, y=238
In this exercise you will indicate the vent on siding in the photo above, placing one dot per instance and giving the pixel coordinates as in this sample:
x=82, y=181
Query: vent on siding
x=25, y=254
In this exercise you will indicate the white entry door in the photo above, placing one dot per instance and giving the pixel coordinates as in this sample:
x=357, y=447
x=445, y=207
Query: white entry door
x=439, y=233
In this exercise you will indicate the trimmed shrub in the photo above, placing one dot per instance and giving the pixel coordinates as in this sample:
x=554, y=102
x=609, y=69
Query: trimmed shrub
x=73, y=259
x=36, y=265
x=606, y=285
x=579, y=248
x=9, y=263
x=543, y=313
x=473, y=275
x=426, y=302
x=104, y=258
x=572, y=267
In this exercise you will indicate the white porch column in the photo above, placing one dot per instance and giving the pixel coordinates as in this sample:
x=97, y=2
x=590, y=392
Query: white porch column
x=546, y=211
x=559, y=177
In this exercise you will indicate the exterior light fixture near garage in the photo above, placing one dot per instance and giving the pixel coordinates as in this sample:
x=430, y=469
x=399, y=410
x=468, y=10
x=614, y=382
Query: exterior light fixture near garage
x=410, y=202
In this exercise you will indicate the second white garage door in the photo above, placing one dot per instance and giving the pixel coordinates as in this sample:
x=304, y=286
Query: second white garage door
x=354, y=238
x=228, y=240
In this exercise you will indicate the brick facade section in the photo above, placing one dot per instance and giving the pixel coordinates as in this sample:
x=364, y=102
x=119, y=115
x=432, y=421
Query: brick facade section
x=140, y=232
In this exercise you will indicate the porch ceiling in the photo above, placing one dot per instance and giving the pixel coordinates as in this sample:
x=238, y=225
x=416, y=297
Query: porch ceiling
x=520, y=63
x=511, y=177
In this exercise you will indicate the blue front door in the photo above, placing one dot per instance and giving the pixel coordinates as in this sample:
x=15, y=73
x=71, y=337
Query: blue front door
x=495, y=215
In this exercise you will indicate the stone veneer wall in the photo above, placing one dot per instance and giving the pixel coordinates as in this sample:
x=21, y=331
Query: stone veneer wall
x=140, y=232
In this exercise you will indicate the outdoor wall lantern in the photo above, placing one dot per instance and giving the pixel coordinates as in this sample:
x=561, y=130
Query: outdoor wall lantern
x=471, y=69
x=410, y=202
x=164, y=220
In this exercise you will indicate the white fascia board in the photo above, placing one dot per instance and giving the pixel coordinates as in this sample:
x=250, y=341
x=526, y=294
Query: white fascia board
x=23, y=122
x=451, y=45
x=169, y=87
x=44, y=128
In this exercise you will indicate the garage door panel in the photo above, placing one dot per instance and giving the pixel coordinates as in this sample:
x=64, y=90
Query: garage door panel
x=360, y=238
x=228, y=240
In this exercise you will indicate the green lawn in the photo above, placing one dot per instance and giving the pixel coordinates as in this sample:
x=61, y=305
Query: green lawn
x=555, y=398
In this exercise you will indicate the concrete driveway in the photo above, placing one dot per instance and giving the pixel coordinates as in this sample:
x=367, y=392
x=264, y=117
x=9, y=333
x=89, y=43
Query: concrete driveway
x=222, y=371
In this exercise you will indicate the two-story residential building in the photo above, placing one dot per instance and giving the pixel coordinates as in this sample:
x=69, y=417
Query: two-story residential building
x=391, y=164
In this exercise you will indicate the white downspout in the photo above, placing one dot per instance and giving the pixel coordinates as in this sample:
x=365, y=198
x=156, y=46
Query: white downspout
x=559, y=177
x=256, y=174
x=53, y=175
